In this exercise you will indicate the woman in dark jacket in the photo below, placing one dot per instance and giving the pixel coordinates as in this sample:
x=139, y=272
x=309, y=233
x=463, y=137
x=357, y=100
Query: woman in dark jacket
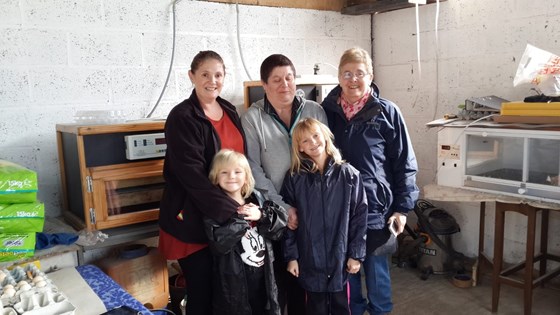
x=195, y=130
x=371, y=134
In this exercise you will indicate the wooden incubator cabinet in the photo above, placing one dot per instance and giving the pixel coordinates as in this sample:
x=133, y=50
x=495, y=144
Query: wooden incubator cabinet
x=111, y=174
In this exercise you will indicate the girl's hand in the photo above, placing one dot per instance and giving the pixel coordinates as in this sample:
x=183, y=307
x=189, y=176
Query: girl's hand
x=293, y=268
x=250, y=212
x=352, y=265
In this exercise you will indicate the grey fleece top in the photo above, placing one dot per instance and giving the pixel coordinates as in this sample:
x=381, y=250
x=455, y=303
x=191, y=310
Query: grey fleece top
x=268, y=144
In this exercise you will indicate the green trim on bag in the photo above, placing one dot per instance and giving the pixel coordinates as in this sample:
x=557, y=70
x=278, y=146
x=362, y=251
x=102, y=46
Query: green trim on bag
x=8, y=192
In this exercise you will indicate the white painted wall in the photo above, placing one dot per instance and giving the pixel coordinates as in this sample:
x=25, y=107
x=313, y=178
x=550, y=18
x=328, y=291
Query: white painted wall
x=477, y=54
x=60, y=56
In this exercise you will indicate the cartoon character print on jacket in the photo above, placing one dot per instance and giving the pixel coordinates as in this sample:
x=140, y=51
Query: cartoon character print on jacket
x=253, y=248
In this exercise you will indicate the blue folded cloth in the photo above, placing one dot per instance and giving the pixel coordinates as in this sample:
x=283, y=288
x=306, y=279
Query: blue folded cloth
x=45, y=240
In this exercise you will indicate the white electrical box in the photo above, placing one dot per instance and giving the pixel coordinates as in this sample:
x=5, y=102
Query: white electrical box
x=450, y=162
x=145, y=146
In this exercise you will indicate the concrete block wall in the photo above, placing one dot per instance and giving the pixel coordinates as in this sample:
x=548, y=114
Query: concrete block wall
x=58, y=57
x=477, y=51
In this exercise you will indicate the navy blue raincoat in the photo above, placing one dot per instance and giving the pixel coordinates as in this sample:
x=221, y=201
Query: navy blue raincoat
x=331, y=210
x=376, y=142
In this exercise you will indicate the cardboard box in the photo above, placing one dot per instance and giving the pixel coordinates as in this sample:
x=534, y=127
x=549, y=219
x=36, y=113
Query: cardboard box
x=144, y=277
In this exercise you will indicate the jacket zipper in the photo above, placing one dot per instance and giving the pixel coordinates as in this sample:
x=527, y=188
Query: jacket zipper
x=324, y=225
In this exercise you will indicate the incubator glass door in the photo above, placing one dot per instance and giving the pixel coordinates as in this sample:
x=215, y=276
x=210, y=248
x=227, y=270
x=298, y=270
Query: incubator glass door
x=126, y=194
x=131, y=195
x=544, y=161
x=494, y=156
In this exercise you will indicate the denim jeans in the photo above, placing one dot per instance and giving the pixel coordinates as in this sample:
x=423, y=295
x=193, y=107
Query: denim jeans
x=378, y=285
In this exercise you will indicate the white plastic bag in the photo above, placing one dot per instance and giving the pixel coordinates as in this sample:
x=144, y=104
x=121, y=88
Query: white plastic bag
x=90, y=238
x=541, y=68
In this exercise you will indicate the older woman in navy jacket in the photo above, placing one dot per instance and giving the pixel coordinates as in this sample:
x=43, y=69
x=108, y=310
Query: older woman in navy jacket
x=371, y=134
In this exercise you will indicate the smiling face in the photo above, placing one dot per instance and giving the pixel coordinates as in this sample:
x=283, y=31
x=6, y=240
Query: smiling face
x=231, y=179
x=208, y=80
x=280, y=87
x=354, y=79
x=312, y=143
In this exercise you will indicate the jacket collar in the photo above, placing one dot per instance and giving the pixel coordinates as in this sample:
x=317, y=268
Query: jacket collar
x=229, y=110
x=308, y=164
x=226, y=106
x=296, y=106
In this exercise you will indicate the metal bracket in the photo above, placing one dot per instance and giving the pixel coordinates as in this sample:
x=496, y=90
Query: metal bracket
x=89, y=184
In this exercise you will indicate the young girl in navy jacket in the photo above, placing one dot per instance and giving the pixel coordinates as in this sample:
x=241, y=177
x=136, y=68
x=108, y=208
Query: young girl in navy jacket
x=329, y=196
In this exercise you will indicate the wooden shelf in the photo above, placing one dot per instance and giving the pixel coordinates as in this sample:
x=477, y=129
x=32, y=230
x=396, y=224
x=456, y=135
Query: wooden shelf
x=358, y=7
x=327, y=5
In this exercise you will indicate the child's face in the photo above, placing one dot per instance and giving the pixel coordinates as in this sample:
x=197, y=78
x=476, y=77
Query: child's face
x=312, y=143
x=232, y=178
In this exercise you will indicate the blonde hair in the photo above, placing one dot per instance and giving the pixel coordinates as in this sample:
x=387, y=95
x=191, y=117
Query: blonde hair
x=356, y=55
x=307, y=125
x=225, y=158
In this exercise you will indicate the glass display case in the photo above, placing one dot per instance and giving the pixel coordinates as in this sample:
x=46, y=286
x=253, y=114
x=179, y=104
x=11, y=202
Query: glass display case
x=517, y=162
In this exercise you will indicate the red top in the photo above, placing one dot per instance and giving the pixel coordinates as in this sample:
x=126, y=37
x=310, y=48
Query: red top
x=229, y=134
x=231, y=138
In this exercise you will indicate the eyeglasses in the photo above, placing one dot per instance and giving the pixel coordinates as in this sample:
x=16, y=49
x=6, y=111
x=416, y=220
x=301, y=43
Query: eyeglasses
x=349, y=75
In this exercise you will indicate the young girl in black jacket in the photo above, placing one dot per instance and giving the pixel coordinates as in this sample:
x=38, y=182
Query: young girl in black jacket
x=331, y=208
x=243, y=281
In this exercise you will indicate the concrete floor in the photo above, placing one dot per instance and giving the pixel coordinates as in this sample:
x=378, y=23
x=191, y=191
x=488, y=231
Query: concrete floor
x=437, y=295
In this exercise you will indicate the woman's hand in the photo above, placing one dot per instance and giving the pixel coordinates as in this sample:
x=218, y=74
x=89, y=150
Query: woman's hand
x=292, y=218
x=293, y=268
x=352, y=265
x=250, y=212
x=400, y=219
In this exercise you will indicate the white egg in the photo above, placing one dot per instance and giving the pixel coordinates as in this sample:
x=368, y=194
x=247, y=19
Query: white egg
x=10, y=292
x=25, y=287
x=7, y=287
x=41, y=283
x=21, y=283
x=2, y=276
x=37, y=279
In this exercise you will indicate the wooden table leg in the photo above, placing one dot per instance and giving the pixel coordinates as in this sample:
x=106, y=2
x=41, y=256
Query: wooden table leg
x=498, y=254
x=481, y=256
x=481, y=228
x=544, y=242
x=531, y=213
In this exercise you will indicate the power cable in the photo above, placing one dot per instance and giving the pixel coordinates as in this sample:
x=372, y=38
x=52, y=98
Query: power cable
x=436, y=22
x=417, y=54
x=170, y=63
x=418, y=41
x=239, y=42
x=316, y=67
